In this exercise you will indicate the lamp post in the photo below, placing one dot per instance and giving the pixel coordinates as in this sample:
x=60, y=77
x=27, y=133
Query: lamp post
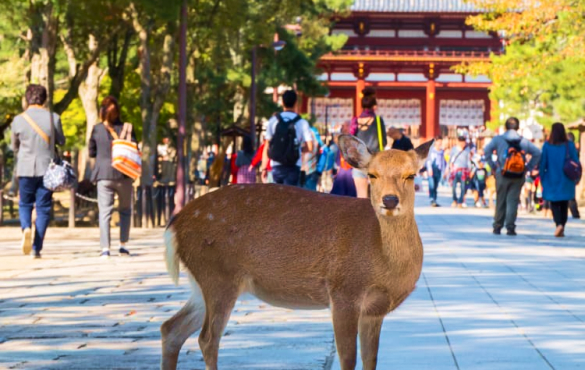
x=180, y=193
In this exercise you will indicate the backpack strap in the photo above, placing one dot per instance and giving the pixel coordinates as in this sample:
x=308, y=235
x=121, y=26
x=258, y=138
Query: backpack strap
x=35, y=127
x=380, y=140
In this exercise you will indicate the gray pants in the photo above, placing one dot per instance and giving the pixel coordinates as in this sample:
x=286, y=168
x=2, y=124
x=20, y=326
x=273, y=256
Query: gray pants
x=507, y=199
x=106, y=190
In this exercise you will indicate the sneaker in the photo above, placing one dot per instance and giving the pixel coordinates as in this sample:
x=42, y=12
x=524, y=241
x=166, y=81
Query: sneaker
x=105, y=254
x=36, y=255
x=26, y=241
x=463, y=205
x=123, y=252
x=434, y=204
x=497, y=231
x=511, y=232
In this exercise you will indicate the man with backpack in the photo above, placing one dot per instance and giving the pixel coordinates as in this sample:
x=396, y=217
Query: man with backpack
x=287, y=135
x=510, y=171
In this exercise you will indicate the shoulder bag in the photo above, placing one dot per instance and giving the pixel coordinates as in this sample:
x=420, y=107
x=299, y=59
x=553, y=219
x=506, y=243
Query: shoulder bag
x=60, y=175
x=572, y=169
x=126, y=157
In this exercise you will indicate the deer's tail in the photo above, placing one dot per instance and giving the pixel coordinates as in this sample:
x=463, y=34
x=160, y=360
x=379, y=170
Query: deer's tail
x=171, y=256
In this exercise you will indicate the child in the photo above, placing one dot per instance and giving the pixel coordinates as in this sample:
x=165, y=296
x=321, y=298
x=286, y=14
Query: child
x=480, y=176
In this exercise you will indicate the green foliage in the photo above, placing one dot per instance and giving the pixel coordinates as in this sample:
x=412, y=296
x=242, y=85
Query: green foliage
x=543, y=67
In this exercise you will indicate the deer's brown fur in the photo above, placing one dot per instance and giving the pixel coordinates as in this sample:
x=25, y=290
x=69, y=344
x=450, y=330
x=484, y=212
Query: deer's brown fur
x=299, y=249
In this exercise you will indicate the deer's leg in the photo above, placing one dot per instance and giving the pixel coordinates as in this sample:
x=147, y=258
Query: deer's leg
x=219, y=305
x=345, y=327
x=369, y=329
x=178, y=328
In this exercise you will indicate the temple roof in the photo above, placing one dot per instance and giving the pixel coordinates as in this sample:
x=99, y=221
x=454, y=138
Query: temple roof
x=411, y=6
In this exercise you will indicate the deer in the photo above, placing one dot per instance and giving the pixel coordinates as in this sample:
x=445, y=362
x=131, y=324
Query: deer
x=361, y=261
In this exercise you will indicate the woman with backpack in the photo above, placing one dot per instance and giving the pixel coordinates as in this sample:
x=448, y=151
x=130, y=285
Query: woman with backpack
x=109, y=180
x=369, y=128
x=559, y=171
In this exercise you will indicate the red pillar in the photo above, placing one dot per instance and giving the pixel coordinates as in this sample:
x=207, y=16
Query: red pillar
x=431, y=124
x=359, y=86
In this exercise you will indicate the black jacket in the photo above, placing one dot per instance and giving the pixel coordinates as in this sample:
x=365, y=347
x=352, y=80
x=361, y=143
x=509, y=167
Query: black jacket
x=100, y=148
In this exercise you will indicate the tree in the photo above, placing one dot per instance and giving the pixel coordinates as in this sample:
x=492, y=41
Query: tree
x=543, y=66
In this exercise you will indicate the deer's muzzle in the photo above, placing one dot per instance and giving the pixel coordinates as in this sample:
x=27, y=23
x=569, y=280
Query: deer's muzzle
x=390, y=201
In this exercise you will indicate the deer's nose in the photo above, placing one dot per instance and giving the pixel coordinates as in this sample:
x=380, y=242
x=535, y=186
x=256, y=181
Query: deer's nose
x=390, y=201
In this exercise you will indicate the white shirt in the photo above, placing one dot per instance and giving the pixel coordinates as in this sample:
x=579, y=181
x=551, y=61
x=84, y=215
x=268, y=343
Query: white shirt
x=303, y=132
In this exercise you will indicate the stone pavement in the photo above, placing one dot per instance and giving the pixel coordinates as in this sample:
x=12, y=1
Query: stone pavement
x=483, y=302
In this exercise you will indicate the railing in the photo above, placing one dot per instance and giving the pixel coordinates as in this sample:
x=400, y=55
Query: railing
x=411, y=54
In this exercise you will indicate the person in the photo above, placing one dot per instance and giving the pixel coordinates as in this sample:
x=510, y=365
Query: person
x=573, y=206
x=557, y=187
x=435, y=167
x=258, y=160
x=312, y=173
x=166, y=178
x=508, y=188
x=327, y=165
x=31, y=133
x=109, y=180
x=478, y=179
x=246, y=173
x=401, y=141
x=287, y=173
x=370, y=129
x=459, y=169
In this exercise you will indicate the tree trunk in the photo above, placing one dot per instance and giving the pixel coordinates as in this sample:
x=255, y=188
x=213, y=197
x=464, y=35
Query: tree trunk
x=117, y=62
x=152, y=95
x=42, y=37
x=88, y=94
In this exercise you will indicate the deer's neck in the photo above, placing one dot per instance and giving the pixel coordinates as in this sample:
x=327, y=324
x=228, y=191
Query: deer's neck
x=401, y=240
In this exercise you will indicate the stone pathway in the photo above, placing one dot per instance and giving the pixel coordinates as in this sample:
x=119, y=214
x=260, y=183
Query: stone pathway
x=483, y=302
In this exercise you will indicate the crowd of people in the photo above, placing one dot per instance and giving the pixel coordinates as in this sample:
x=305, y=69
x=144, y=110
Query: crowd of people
x=510, y=168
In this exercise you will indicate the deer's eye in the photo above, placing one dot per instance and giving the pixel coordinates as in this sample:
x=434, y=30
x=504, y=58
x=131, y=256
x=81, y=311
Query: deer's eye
x=372, y=176
x=411, y=177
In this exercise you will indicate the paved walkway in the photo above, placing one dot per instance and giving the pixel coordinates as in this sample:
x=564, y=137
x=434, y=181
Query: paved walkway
x=483, y=302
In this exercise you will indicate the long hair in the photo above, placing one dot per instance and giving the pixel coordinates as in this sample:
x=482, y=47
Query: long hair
x=558, y=135
x=109, y=110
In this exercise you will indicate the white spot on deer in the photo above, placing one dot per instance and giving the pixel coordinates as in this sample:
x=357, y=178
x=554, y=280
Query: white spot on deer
x=197, y=212
x=210, y=217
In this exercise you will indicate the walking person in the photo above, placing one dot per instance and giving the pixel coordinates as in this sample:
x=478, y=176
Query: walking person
x=557, y=187
x=166, y=179
x=401, y=141
x=109, y=180
x=285, y=145
x=573, y=205
x=370, y=129
x=246, y=173
x=510, y=169
x=460, y=170
x=31, y=133
x=310, y=164
x=435, y=166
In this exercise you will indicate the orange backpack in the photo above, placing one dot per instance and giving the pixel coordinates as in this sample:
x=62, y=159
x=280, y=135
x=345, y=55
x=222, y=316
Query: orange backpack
x=515, y=165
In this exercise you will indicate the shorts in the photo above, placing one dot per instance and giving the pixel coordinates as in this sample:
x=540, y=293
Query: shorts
x=357, y=174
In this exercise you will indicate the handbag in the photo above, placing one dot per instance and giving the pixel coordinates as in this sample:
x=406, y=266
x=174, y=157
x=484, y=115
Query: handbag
x=60, y=175
x=572, y=169
x=126, y=157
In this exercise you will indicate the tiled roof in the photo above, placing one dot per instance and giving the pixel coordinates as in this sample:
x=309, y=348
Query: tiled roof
x=410, y=6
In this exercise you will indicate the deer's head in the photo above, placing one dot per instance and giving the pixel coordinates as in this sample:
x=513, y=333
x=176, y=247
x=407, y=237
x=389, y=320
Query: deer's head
x=391, y=173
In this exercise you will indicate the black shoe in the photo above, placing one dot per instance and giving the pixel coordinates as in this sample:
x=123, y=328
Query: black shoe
x=511, y=232
x=123, y=252
x=497, y=231
x=434, y=204
x=36, y=255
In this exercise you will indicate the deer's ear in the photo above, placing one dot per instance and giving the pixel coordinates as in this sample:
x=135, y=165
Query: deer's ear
x=422, y=152
x=354, y=151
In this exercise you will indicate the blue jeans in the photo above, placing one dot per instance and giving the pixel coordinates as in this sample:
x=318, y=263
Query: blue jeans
x=458, y=183
x=434, y=185
x=33, y=191
x=312, y=181
x=287, y=175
